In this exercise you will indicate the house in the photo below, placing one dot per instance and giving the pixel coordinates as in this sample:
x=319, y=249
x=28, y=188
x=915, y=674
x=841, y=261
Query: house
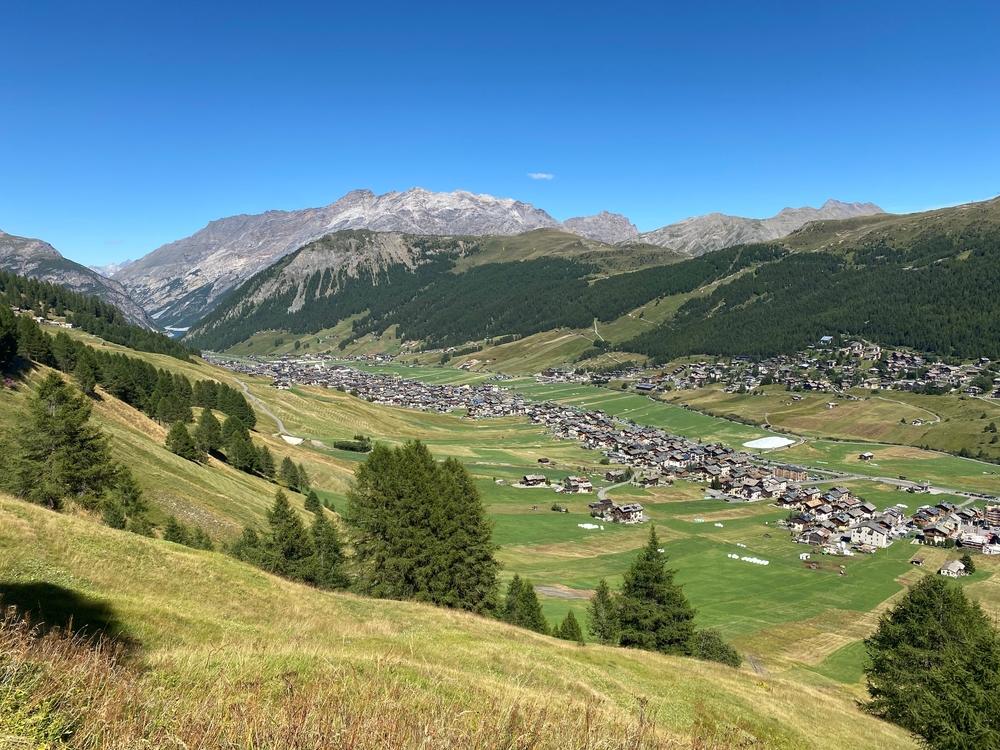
x=953, y=569
x=871, y=534
x=866, y=456
x=577, y=484
x=533, y=480
x=629, y=513
x=615, y=475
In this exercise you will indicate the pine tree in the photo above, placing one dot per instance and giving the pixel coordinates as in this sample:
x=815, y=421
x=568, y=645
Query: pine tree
x=176, y=532
x=179, y=441
x=200, y=539
x=967, y=561
x=302, y=483
x=312, y=503
x=934, y=668
x=570, y=629
x=113, y=514
x=241, y=454
x=85, y=374
x=522, y=608
x=653, y=612
x=208, y=432
x=328, y=557
x=602, y=614
x=287, y=548
x=288, y=474
x=55, y=452
x=265, y=462
x=8, y=337
x=232, y=427
x=419, y=530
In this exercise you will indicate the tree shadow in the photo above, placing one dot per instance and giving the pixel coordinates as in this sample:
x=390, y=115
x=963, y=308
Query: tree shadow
x=51, y=607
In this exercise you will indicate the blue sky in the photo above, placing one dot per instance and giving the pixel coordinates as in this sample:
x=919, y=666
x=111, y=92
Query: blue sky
x=124, y=126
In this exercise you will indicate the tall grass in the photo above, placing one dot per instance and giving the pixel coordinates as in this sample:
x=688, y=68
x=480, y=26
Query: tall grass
x=60, y=690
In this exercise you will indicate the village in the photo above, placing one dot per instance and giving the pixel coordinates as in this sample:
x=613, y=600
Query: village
x=832, y=522
x=821, y=369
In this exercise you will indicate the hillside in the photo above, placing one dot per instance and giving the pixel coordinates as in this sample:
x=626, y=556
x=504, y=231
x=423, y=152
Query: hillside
x=39, y=260
x=181, y=281
x=448, y=290
x=927, y=281
x=248, y=655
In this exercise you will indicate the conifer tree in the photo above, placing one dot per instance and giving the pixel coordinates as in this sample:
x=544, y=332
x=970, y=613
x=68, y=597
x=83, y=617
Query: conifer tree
x=522, y=608
x=208, y=433
x=242, y=454
x=934, y=668
x=302, y=481
x=112, y=514
x=418, y=530
x=288, y=473
x=199, y=539
x=602, y=615
x=570, y=630
x=176, y=532
x=653, y=613
x=55, y=452
x=85, y=374
x=8, y=337
x=179, y=441
x=312, y=503
x=232, y=427
x=287, y=548
x=967, y=561
x=265, y=462
x=328, y=557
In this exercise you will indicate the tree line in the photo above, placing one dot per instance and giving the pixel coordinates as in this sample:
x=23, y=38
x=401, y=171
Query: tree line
x=87, y=312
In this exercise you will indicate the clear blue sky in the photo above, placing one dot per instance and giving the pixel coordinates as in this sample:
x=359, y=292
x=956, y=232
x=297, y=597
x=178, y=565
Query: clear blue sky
x=124, y=126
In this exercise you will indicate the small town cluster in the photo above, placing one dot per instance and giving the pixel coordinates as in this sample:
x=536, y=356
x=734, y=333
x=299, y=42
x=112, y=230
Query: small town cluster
x=823, y=369
x=835, y=521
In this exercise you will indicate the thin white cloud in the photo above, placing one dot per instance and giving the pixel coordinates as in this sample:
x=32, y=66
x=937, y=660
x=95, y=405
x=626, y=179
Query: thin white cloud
x=541, y=175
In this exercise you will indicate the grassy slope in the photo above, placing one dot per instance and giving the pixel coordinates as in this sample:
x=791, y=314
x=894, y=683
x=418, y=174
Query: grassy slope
x=214, y=630
x=951, y=422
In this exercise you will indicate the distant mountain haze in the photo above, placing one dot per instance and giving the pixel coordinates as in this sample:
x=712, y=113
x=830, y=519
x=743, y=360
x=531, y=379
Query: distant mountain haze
x=180, y=282
x=37, y=259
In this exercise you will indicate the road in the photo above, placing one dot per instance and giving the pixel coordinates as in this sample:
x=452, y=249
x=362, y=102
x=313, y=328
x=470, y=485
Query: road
x=258, y=404
x=602, y=493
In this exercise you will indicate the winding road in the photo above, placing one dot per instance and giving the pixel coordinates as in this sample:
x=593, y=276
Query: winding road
x=282, y=430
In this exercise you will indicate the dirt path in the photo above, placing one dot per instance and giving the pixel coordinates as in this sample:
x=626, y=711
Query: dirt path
x=262, y=406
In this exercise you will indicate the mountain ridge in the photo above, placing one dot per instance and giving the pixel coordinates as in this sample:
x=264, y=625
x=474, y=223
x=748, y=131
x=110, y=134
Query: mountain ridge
x=37, y=259
x=697, y=235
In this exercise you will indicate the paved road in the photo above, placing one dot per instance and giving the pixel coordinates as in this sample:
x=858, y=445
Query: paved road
x=262, y=406
x=603, y=491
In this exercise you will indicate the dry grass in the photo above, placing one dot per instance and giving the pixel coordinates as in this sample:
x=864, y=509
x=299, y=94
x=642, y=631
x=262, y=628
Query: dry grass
x=59, y=689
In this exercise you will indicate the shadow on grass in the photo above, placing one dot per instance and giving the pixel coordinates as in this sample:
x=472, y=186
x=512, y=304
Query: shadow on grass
x=48, y=607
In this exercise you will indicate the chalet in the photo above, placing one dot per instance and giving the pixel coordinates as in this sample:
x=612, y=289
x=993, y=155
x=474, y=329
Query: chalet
x=866, y=456
x=615, y=475
x=533, y=480
x=577, y=484
x=937, y=533
x=953, y=569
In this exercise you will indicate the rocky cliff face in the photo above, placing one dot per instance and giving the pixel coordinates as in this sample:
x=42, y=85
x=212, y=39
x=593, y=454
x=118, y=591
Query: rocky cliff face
x=604, y=227
x=703, y=234
x=39, y=260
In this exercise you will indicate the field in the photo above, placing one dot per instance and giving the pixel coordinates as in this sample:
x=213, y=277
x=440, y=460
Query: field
x=227, y=652
x=948, y=422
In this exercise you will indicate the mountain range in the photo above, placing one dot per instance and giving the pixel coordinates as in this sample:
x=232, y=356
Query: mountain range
x=39, y=260
x=178, y=283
